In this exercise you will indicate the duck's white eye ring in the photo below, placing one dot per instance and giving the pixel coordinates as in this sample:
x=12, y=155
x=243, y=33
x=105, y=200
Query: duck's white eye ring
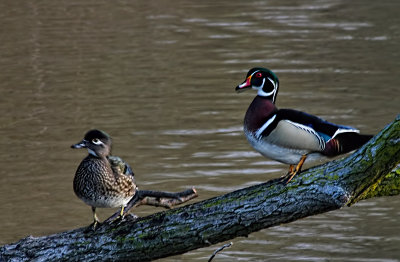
x=97, y=141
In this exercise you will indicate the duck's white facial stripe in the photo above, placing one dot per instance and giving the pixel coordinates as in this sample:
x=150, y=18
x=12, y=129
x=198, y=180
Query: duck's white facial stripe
x=261, y=92
x=260, y=86
x=265, y=126
x=275, y=91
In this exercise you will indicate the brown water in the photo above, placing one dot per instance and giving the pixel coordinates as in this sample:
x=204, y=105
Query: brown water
x=159, y=76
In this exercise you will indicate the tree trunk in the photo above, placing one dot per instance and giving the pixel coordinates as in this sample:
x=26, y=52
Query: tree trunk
x=239, y=213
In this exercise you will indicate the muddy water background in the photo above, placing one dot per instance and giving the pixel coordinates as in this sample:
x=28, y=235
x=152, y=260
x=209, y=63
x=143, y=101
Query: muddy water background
x=159, y=76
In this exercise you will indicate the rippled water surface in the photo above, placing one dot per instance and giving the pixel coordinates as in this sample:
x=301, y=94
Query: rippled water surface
x=159, y=76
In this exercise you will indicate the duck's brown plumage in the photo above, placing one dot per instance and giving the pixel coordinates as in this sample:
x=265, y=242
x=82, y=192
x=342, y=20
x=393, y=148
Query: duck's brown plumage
x=102, y=180
x=98, y=185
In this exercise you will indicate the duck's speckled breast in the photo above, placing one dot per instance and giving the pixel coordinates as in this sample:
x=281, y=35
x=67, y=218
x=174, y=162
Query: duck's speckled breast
x=96, y=184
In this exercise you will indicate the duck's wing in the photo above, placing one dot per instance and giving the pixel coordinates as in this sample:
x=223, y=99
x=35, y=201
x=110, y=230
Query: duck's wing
x=119, y=166
x=300, y=131
x=292, y=135
x=336, y=139
x=321, y=126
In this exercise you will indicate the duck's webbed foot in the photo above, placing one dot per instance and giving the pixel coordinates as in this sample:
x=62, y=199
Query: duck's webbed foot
x=96, y=222
x=95, y=225
x=118, y=217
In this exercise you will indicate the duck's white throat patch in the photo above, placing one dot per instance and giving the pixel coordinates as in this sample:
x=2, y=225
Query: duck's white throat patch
x=92, y=152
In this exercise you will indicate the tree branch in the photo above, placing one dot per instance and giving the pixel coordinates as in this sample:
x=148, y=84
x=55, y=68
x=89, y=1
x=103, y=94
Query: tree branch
x=219, y=250
x=157, y=199
x=152, y=198
x=239, y=213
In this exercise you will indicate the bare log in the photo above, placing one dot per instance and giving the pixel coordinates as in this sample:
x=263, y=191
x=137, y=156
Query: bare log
x=239, y=213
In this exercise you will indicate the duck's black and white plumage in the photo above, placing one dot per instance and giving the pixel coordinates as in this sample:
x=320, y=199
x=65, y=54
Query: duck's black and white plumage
x=290, y=136
x=102, y=180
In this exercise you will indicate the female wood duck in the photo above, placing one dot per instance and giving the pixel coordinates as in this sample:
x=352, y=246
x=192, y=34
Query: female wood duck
x=290, y=136
x=102, y=180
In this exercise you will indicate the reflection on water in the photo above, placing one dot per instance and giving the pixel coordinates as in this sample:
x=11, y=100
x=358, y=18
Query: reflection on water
x=160, y=78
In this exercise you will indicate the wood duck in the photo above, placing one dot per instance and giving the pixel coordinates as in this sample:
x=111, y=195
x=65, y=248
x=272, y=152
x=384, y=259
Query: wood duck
x=290, y=136
x=102, y=180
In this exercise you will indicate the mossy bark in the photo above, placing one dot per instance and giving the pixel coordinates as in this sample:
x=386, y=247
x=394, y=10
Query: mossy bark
x=239, y=213
x=388, y=186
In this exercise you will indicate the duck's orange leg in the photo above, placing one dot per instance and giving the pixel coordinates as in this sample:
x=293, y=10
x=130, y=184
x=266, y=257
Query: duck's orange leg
x=292, y=172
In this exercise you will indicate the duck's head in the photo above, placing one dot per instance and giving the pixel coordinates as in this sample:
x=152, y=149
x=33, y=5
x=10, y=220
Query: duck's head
x=97, y=142
x=263, y=80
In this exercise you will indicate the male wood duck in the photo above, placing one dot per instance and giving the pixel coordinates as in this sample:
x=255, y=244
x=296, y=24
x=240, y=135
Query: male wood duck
x=102, y=180
x=290, y=136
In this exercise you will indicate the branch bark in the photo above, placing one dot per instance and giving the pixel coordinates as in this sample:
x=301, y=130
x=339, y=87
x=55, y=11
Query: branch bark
x=239, y=213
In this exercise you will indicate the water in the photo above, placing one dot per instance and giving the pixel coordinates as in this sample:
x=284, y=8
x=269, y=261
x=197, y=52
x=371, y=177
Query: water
x=160, y=77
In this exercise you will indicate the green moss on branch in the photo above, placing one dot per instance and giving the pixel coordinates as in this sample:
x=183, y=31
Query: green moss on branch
x=388, y=186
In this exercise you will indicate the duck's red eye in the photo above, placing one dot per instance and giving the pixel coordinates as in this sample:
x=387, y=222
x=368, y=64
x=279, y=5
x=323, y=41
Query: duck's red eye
x=258, y=74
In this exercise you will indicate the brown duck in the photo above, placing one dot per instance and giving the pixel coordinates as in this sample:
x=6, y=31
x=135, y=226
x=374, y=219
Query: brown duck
x=102, y=180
